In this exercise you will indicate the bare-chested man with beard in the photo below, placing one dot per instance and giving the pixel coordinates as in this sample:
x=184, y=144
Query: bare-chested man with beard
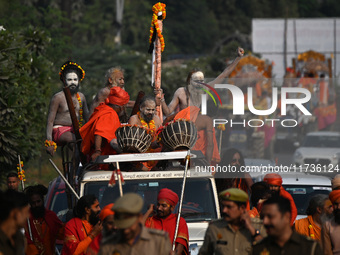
x=146, y=117
x=191, y=94
x=114, y=77
x=59, y=124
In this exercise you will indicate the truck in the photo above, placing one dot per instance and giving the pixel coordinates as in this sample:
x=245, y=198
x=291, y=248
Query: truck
x=200, y=201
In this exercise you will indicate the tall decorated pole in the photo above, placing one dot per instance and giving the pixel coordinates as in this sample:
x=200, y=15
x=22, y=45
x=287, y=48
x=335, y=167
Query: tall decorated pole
x=157, y=45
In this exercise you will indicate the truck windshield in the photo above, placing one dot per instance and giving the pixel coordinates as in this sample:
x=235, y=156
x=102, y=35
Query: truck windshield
x=303, y=193
x=198, y=203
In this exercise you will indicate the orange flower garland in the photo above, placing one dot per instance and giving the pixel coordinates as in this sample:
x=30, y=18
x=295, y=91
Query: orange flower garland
x=221, y=127
x=151, y=125
x=75, y=64
x=51, y=143
x=81, y=119
x=159, y=7
x=21, y=172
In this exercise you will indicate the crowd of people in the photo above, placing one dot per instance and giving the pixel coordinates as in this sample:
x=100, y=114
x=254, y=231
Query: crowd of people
x=27, y=227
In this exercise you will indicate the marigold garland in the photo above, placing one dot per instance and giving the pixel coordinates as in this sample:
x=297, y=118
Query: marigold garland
x=21, y=172
x=159, y=7
x=81, y=119
x=151, y=125
x=221, y=127
x=75, y=64
x=51, y=143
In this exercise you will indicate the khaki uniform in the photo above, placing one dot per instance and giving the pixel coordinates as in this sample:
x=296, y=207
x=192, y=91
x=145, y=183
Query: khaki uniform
x=221, y=238
x=150, y=242
x=296, y=245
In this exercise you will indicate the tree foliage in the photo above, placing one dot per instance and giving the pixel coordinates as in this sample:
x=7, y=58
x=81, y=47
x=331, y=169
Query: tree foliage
x=24, y=85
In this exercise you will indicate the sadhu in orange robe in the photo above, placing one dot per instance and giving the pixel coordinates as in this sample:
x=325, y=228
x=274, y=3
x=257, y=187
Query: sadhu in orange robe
x=169, y=225
x=44, y=232
x=104, y=122
x=307, y=227
x=77, y=239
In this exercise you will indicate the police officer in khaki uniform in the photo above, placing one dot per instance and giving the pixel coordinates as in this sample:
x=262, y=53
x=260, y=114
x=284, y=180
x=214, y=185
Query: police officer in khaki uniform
x=132, y=237
x=234, y=233
x=276, y=214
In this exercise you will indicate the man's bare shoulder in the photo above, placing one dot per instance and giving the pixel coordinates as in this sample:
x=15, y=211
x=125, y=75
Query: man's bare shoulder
x=180, y=90
x=58, y=96
x=104, y=91
x=134, y=120
x=156, y=118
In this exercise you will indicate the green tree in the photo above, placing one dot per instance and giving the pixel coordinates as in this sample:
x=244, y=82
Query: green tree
x=25, y=82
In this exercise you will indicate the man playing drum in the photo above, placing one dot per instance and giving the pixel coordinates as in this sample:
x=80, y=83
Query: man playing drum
x=147, y=118
x=59, y=128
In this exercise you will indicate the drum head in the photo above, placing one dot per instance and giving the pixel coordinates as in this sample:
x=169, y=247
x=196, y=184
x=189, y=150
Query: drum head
x=179, y=135
x=133, y=139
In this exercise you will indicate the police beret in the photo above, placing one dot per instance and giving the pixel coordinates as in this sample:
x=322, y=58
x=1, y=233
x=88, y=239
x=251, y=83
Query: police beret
x=126, y=209
x=129, y=203
x=233, y=194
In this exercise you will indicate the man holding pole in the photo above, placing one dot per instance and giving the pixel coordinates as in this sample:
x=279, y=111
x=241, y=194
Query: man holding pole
x=59, y=129
x=44, y=224
x=166, y=220
x=191, y=93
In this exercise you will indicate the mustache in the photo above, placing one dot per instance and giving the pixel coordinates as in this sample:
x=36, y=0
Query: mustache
x=225, y=215
x=268, y=226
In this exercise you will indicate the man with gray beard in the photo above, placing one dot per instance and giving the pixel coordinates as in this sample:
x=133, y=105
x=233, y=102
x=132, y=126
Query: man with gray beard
x=191, y=94
x=318, y=213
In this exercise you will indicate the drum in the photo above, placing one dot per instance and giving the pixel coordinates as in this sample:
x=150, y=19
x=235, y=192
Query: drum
x=133, y=139
x=179, y=135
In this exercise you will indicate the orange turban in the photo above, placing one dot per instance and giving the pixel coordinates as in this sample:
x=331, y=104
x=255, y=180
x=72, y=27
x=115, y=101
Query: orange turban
x=334, y=195
x=106, y=211
x=117, y=96
x=168, y=195
x=273, y=179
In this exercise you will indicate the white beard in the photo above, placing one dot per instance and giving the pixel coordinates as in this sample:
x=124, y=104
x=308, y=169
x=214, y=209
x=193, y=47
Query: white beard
x=195, y=95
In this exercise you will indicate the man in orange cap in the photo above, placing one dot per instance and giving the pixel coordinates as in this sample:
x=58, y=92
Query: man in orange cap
x=98, y=134
x=166, y=220
x=330, y=232
x=106, y=217
x=275, y=184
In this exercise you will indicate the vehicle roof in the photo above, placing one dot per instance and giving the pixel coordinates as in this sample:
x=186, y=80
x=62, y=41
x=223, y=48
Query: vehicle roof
x=323, y=133
x=302, y=179
x=106, y=175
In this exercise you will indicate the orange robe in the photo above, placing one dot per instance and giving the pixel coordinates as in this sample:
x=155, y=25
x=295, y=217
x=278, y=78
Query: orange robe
x=44, y=235
x=294, y=212
x=104, y=122
x=77, y=238
x=169, y=225
x=191, y=113
x=307, y=227
x=254, y=213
